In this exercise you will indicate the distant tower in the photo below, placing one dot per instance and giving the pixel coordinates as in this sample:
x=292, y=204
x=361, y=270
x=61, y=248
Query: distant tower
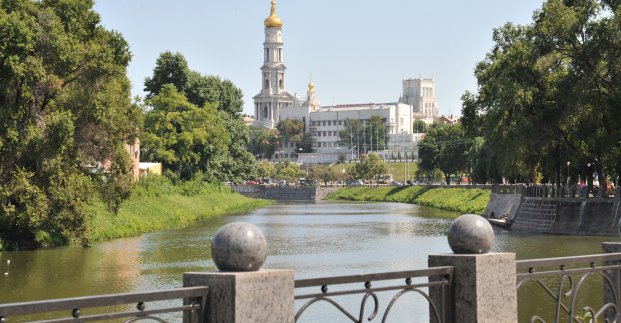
x=421, y=95
x=273, y=96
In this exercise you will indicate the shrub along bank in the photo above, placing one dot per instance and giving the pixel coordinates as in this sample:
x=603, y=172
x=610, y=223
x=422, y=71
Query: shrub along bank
x=157, y=204
x=461, y=200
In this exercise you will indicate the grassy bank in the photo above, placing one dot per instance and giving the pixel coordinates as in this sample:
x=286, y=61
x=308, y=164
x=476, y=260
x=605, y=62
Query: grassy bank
x=461, y=200
x=159, y=205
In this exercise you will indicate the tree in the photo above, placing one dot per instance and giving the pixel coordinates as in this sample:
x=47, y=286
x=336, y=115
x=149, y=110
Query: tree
x=66, y=118
x=187, y=139
x=266, y=170
x=548, y=92
x=206, y=92
x=366, y=134
x=170, y=68
x=322, y=173
x=370, y=167
x=263, y=142
x=420, y=126
x=444, y=147
x=288, y=171
x=291, y=130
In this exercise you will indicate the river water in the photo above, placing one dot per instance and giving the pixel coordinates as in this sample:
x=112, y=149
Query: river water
x=315, y=239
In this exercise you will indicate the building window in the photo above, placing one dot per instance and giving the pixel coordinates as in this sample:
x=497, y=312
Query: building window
x=281, y=84
x=267, y=84
x=324, y=123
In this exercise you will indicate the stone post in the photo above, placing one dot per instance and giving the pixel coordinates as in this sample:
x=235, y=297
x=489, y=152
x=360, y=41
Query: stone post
x=615, y=277
x=241, y=292
x=483, y=287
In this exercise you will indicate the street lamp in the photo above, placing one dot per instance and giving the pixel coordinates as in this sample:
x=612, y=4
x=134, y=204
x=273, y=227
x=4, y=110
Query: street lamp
x=352, y=152
x=568, y=163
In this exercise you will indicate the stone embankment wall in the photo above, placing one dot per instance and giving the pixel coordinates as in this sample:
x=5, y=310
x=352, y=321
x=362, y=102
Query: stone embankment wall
x=285, y=193
x=575, y=216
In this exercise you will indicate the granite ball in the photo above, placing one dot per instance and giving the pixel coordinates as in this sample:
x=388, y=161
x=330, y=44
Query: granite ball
x=470, y=234
x=239, y=246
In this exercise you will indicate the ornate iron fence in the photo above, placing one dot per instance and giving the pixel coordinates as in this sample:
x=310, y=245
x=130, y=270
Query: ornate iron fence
x=414, y=281
x=74, y=309
x=563, y=280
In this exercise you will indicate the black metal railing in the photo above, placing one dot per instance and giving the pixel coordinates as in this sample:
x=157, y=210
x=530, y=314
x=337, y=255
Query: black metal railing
x=419, y=282
x=77, y=309
x=573, y=286
x=552, y=191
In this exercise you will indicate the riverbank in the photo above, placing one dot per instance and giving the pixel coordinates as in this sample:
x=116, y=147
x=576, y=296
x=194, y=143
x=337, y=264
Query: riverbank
x=457, y=199
x=159, y=205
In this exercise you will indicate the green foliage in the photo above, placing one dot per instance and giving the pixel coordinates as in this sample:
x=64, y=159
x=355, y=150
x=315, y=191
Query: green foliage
x=369, y=167
x=323, y=173
x=549, y=94
x=263, y=142
x=216, y=104
x=187, y=139
x=169, y=69
x=288, y=171
x=66, y=118
x=266, y=170
x=367, y=135
x=461, y=200
x=291, y=130
x=420, y=126
x=444, y=147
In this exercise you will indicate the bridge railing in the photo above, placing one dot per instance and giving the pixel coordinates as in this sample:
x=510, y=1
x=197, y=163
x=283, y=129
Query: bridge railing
x=552, y=191
x=368, y=287
x=188, y=303
x=561, y=284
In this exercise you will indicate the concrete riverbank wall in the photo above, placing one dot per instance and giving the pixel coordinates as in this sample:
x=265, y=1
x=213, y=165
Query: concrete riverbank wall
x=285, y=193
x=575, y=216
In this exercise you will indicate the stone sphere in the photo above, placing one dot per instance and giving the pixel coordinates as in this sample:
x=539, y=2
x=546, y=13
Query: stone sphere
x=239, y=246
x=470, y=234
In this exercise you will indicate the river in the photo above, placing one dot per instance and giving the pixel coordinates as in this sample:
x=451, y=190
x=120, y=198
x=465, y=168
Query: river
x=316, y=240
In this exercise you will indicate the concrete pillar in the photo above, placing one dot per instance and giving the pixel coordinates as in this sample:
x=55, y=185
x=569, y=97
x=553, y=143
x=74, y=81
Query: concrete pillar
x=483, y=287
x=239, y=297
x=611, y=315
x=241, y=292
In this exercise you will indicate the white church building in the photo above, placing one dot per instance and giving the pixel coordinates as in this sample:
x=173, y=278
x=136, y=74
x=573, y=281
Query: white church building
x=324, y=123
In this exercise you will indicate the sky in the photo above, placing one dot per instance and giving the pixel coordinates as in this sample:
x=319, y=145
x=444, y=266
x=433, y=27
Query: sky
x=355, y=51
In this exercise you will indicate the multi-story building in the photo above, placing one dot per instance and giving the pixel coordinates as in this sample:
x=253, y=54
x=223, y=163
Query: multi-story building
x=421, y=95
x=324, y=124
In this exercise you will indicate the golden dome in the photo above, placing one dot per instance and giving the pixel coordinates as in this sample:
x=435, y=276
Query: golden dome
x=311, y=87
x=273, y=20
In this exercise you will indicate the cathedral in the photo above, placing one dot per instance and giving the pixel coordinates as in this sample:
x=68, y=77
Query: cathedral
x=324, y=123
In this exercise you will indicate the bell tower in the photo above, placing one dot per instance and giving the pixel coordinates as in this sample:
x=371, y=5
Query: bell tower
x=273, y=96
